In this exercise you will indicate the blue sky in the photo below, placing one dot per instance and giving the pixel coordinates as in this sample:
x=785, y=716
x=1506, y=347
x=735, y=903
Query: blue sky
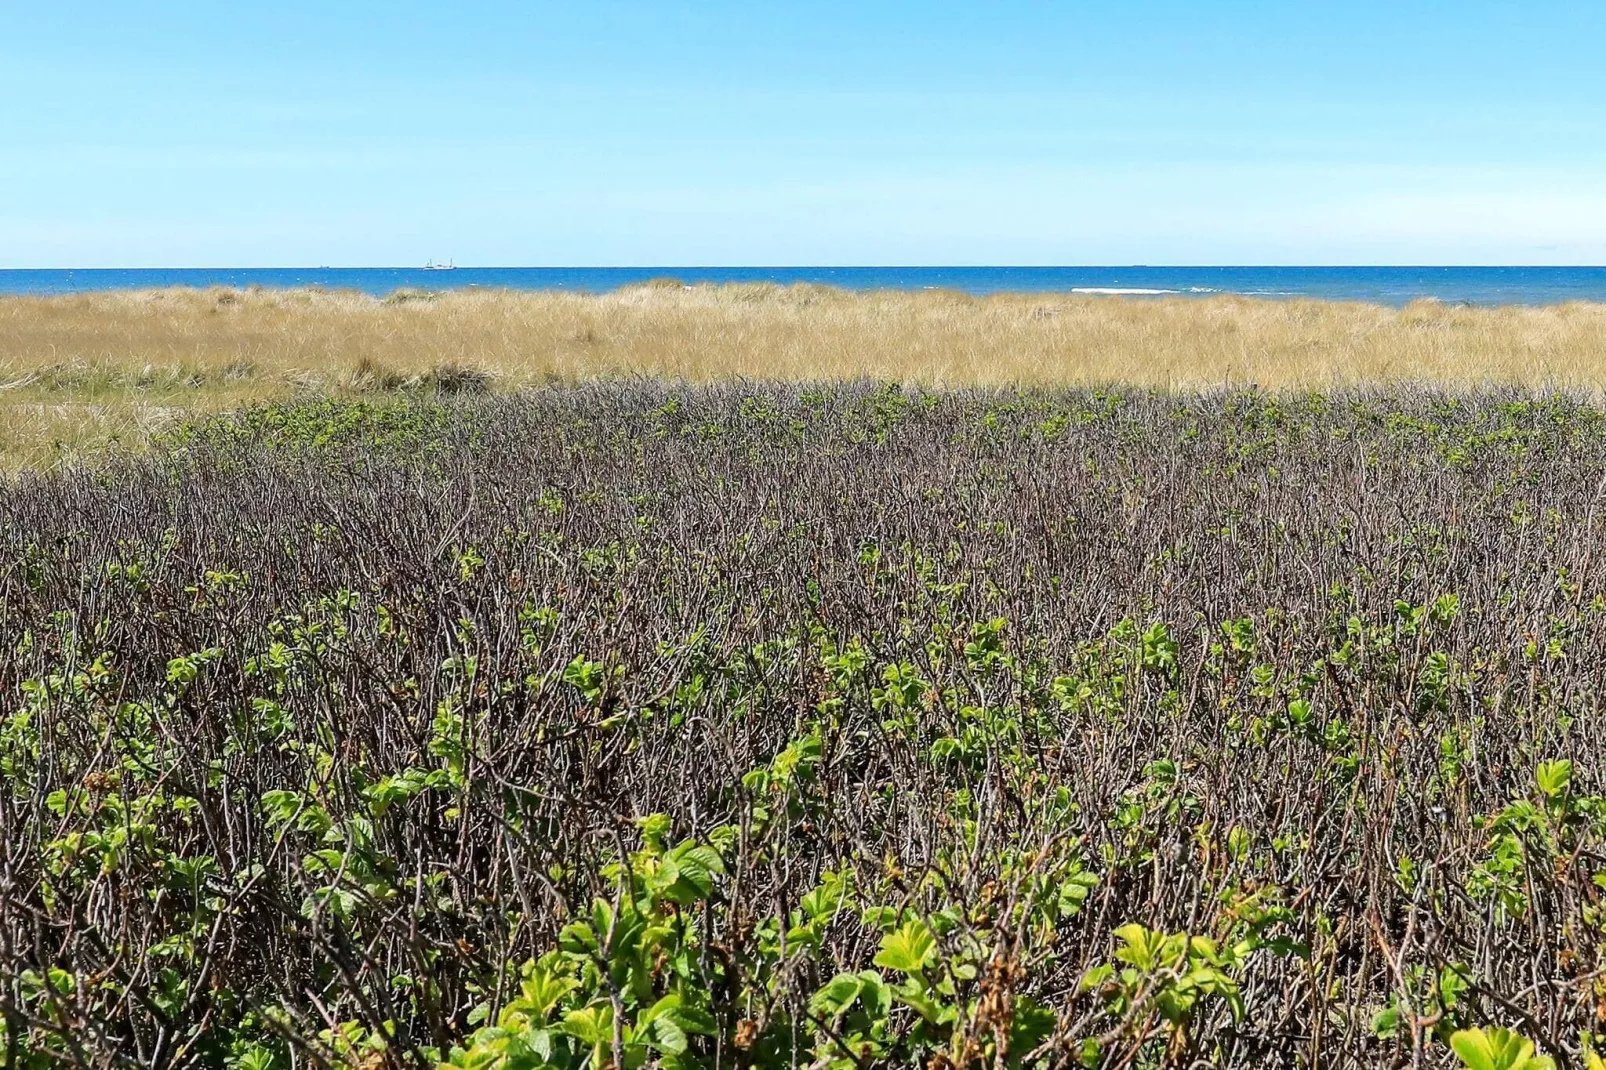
x=611, y=132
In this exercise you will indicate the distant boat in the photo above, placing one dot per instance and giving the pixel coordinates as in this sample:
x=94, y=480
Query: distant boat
x=432, y=266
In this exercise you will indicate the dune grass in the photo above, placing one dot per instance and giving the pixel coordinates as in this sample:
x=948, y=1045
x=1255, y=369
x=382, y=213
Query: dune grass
x=82, y=370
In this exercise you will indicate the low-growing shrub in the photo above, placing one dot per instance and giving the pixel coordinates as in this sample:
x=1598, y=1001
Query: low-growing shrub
x=647, y=725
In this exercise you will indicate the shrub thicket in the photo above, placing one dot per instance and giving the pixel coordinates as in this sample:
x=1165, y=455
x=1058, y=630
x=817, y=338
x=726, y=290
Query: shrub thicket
x=630, y=725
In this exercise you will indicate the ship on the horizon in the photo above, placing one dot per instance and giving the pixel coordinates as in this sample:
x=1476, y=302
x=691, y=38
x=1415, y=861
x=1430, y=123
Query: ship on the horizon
x=432, y=266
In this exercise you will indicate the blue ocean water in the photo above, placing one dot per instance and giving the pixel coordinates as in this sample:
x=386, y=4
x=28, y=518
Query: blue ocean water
x=1384, y=285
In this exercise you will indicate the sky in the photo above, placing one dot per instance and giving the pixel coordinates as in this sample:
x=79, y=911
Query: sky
x=607, y=132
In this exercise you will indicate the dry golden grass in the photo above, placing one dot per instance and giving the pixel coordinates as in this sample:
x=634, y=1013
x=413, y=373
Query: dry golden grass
x=78, y=370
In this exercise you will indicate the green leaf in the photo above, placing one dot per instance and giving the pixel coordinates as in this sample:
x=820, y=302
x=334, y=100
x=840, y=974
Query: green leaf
x=1239, y=840
x=578, y=938
x=696, y=1020
x=1144, y=948
x=675, y=1009
x=256, y=1058
x=1453, y=980
x=542, y=988
x=1074, y=891
x=695, y=867
x=824, y=901
x=1497, y=1049
x=601, y=919
x=907, y=948
x=836, y=995
x=666, y=1035
x=913, y=994
x=654, y=827
x=590, y=1025
x=1096, y=977
x=1032, y=1024
x=875, y=992
x=1553, y=777
x=880, y=917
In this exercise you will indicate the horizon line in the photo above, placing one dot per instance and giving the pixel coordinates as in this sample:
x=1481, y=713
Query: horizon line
x=829, y=267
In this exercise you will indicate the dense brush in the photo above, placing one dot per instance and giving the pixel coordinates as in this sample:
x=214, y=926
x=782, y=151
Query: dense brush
x=764, y=726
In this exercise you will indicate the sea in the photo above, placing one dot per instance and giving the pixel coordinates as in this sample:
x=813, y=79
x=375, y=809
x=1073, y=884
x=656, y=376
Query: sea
x=1382, y=285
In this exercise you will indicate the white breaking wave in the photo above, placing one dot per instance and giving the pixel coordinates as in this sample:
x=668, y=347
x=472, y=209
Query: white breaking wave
x=1131, y=290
